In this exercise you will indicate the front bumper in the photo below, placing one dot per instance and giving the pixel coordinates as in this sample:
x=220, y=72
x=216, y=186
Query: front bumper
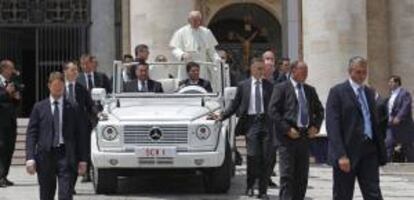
x=182, y=160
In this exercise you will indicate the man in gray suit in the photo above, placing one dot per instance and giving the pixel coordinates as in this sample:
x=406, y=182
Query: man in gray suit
x=400, y=121
x=143, y=83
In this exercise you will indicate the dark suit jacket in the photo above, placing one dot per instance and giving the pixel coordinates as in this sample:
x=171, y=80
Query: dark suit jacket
x=281, y=77
x=403, y=132
x=201, y=82
x=345, y=124
x=284, y=109
x=153, y=86
x=7, y=109
x=101, y=80
x=382, y=109
x=240, y=104
x=39, y=134
x=86, y=105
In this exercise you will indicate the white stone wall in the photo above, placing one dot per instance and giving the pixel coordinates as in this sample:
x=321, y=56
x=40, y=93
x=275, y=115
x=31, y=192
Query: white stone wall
x=154, y=22
x=401, y=32
x=102, y=34
x=333, y=31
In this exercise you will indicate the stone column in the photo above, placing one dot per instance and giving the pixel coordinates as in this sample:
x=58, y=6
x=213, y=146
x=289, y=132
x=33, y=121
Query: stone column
x=333, y=32
x=291, y=27
x=401, y=32
x=154, y=22
x=102, y=34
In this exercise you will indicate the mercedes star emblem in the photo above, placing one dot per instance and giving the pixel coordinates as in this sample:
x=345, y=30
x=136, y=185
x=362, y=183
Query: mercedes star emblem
x=155, y=133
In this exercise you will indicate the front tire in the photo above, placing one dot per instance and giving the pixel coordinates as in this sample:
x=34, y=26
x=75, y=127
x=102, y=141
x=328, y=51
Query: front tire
x=104, y=181
x=218, y=180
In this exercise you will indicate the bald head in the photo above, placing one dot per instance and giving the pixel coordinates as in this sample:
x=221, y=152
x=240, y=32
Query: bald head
x=194, y=18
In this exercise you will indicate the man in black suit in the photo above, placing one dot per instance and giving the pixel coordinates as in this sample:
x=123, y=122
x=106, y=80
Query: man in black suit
x=283, y=72
x=89, y=77
x=270, y=69
x=143, y=83
x=55, y=143
x=251, y=103
x=193, y=71
x=400, y=120
x=9, y=99
x=297, y=115
x=356, y=147
x=78, y=95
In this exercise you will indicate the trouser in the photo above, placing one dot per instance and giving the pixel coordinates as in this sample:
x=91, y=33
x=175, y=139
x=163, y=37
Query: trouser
x=366, y=171
x=257, y=143
x=51, y=166
x=407, y=148
x=7, y=143
x=294, y=169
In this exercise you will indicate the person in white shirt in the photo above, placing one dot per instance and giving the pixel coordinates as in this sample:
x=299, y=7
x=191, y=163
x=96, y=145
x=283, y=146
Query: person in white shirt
x=194, y=42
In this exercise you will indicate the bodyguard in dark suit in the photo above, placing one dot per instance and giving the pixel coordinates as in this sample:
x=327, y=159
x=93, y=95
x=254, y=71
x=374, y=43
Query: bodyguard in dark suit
x=79, y=96
x=55, y=146
x=9, y=99
x=143, y=83
x=193, y=71
x=283, y=72
x=297, y=115
x=356, y=148
x=90, y=78
x=251, y=100
x=400, y=120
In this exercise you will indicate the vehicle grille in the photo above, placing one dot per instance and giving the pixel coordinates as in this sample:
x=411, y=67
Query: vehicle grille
x=156, y=161
x=171, y=134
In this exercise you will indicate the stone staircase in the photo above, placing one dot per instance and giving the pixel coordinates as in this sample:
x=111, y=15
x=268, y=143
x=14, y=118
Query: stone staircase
x=19, y=156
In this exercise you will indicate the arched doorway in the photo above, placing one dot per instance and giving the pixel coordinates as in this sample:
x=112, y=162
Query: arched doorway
x=245, y=30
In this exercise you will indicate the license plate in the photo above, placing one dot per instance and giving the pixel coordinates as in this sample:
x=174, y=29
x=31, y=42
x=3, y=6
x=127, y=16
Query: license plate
x=156, y=151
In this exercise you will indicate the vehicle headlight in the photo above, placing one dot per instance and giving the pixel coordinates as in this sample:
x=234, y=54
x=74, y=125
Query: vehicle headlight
x=203, y=132
x=109, y=133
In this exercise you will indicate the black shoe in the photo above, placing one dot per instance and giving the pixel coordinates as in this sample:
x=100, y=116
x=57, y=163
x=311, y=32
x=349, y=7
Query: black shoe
x=2, y=184
x=272, y=184
x=8, y=182
x=263, y=196
x=249, y=192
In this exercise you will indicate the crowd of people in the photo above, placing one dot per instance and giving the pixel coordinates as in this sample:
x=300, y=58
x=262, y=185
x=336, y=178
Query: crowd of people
x=278, y=113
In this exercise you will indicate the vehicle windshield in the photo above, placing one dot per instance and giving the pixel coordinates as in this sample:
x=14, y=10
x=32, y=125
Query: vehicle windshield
x=167, y=79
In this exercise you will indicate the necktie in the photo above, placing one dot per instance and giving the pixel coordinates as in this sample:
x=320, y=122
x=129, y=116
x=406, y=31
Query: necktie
x=365, y=112
x=71, y=95
x=258, y=98
x=144, y=86
x=303, y=107
x=90, y=83
x=56, y=124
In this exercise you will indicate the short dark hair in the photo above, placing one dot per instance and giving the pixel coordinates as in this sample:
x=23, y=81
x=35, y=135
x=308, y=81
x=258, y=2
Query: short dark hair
x=142, y=63
x=191, y=65
x=139, y=48
x=56, y=76
x=396, y=79
x=65, y=65
x=255, y=60
x=126, y=56
x=296, y=63
x=285, y=59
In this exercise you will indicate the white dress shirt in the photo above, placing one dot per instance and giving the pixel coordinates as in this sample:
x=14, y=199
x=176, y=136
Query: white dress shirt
x=252, y=105
x=67, y=88
x=394, y=95
x=140, y=86
x=60, y=106
x=2, y=81
x=294, y=83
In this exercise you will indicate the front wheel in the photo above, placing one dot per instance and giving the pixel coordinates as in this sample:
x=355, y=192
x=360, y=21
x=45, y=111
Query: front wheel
x=218, y=180
x=104, y=181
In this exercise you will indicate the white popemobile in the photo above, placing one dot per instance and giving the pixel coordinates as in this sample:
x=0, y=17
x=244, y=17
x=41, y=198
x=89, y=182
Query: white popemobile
x=170, y=132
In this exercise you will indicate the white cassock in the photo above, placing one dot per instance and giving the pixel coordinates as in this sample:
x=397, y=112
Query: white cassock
x=199, y=43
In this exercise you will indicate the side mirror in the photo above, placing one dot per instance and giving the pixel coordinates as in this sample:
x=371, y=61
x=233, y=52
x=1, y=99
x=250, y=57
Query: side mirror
x=98, y=94
x=229, y=93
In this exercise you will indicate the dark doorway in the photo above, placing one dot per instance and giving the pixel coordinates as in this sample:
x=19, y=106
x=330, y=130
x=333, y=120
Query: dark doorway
x=245, y=30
